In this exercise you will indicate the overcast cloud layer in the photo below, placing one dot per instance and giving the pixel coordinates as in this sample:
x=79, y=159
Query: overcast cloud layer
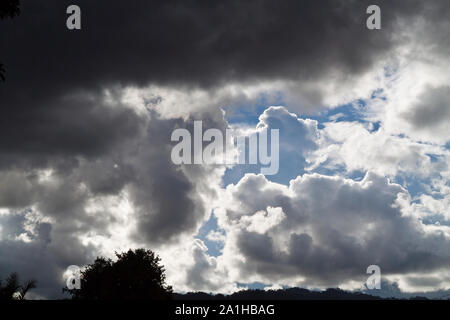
x=86, y=118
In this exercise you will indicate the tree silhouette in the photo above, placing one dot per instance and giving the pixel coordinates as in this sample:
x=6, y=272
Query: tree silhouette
x=8, y=8
x=135, y=275
x=13, y=290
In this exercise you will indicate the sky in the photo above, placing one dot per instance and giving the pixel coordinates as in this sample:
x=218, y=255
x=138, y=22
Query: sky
x=363, y=116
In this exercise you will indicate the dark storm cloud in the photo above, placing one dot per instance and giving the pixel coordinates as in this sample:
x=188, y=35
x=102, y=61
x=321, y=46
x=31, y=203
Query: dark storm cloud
x=192, y=42
x=181, y=43
x=79, y=124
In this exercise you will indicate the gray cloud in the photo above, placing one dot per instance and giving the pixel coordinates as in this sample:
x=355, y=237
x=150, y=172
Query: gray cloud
x=332, y=231
x=40, y=254
x=167, y=196
x=432, y=111
x=166, y=199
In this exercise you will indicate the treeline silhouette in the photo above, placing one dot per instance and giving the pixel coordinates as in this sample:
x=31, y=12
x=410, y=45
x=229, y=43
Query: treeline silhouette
x=139, y=275
x=281, y=294
x=284, y=294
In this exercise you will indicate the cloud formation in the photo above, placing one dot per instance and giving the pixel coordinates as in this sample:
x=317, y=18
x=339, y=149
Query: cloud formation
x=324, y=231
x=85, y=121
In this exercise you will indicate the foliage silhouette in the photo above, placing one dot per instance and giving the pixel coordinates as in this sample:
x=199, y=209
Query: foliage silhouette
x=8, y=8
x=13, y=290
x=136, y=275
